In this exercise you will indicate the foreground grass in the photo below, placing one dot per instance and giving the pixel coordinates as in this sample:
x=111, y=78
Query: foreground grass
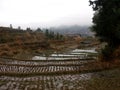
x=105, y=80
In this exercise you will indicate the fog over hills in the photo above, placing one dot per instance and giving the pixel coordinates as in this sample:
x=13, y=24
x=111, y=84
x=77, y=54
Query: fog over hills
x=75, y=29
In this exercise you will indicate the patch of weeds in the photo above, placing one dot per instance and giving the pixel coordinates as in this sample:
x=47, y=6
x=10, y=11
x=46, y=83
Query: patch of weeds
x=3, y=83
x=103, y=84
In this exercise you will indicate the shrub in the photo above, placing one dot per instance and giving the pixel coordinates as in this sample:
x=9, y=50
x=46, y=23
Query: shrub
x=107, y=53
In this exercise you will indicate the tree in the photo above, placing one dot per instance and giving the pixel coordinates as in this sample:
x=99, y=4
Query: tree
x=57, y=36
x=11, y=27
x=38, y=30
x=19, y=28
x=107, y=23
x=51, y=35
x=47, y=33
x=28, y=29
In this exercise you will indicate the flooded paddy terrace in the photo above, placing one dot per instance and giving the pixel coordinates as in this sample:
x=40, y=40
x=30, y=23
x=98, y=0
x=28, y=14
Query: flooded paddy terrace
x=58, y=71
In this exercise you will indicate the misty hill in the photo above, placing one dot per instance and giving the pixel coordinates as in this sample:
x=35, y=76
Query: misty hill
x=83, y=30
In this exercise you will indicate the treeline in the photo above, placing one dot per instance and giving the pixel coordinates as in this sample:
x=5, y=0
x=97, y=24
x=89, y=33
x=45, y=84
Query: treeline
x=54, y=36
x=10, y=34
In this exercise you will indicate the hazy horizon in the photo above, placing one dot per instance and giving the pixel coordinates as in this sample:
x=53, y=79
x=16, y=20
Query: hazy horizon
x=45, y=13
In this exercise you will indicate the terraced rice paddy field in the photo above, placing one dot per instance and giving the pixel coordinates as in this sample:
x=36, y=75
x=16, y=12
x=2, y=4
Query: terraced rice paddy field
x=54, y=74
x=41, y=67
x=55, y=82
x=41, y=75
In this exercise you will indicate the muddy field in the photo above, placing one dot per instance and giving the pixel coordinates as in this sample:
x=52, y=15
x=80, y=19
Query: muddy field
x=62, y=74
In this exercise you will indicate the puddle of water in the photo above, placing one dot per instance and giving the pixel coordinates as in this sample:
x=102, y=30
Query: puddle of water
x=84, y=51
x=74, y=54
x=64, y=55
x=51, y=58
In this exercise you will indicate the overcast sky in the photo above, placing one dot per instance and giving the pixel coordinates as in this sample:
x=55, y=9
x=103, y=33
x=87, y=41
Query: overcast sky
x=45, y=13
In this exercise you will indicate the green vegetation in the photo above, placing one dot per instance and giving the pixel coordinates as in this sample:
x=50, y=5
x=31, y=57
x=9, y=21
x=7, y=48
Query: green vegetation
x=107, y=25
x=51, y=35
